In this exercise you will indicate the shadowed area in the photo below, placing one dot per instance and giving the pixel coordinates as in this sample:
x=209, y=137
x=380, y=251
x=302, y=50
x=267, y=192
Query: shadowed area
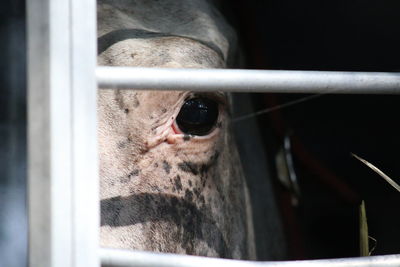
x=13, y=135
x=196, y=223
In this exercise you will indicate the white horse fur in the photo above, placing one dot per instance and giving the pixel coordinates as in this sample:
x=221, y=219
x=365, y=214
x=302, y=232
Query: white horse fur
x=162, y=190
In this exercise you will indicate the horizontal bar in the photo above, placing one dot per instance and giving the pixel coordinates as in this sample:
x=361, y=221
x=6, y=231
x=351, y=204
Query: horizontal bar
x=127, y=258
x=235, y=80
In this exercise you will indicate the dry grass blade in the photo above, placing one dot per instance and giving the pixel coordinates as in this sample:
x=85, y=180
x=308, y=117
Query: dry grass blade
x=364, y=240
x=374, y=246
x=378, y=171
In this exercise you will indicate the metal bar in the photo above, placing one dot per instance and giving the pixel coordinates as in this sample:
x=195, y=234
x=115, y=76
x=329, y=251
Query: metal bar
x=126, y=258
x=235, y=80
x=49, y=206
x=85, y=189
x=62, y=169
x=85, y=183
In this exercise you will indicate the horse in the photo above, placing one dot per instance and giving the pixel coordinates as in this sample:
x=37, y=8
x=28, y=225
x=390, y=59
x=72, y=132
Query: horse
x=171, y=179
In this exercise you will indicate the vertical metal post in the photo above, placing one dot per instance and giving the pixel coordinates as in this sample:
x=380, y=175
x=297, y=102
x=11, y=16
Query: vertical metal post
x=62, y=143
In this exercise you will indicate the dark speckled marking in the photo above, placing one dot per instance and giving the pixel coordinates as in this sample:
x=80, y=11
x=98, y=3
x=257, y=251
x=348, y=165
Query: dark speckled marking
x=190, y=183
x=202, y=200
x=196, y=223
x=119, y=97
x=166, y=167
x=143, y=150
x=189, y=167
x=124, y=143
x=188, y=195
x=124, y=179
x=121, y=145
x=135, y=102
x=178, y=183
x=164, y=110
x=155, y=188
x=127, y=179
x=196, y=191
x=187, y=137
x=195, y=168
x=204, y=168
x=135, y=172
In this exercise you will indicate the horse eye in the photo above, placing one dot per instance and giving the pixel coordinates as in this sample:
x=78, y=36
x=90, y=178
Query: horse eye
x=197, y=116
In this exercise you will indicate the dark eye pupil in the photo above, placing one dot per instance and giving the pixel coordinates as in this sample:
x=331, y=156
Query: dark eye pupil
x=198, y=116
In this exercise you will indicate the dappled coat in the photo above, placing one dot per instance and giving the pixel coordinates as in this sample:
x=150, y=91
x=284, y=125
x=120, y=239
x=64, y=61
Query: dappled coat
x=171, y=179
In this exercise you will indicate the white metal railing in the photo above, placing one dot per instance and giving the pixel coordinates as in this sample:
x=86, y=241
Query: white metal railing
x=62, y=144
x=125, y=258
x=234, y=80
x=62, y=171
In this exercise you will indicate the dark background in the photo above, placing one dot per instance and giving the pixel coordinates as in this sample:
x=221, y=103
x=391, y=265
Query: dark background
x=346, y=35
x=13, y=216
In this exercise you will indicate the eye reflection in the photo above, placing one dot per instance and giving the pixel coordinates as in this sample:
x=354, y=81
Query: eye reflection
x=198, y=116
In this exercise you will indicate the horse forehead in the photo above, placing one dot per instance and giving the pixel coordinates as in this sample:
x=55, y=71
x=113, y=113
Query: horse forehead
x=195, y=19
x=166, y=52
